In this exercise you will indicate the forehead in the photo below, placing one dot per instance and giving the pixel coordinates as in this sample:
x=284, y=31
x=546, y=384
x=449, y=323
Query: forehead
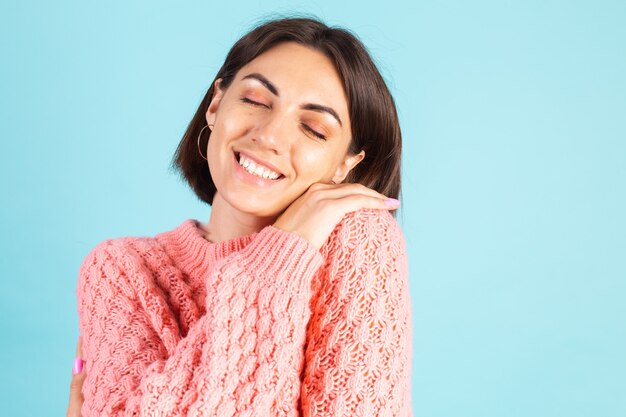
x=299, y=73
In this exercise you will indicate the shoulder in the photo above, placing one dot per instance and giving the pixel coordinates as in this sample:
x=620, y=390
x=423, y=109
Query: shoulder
x=365, y=254
x=366, y=228
x=115, y=262
x=119, y=250
x=367, y=243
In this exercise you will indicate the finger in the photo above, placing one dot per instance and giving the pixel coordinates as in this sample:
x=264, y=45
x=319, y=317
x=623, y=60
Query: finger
x=76, y=385
x=349, y=188
x=358, y=201
x=76, y=396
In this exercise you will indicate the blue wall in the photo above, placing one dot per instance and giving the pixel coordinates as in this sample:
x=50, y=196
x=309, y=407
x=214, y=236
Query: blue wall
x=514, y=191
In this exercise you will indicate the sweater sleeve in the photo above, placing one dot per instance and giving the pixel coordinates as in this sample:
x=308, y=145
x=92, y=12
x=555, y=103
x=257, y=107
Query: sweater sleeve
x=232, y=361
x=358, y=356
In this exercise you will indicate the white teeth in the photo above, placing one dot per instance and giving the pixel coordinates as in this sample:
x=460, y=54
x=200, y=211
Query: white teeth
x=254, y=169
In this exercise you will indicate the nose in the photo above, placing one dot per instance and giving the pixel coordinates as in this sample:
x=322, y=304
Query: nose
x=273, y=134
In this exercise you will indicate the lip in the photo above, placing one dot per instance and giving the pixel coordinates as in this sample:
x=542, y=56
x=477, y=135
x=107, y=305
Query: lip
x=259, y=162
x=248, y=178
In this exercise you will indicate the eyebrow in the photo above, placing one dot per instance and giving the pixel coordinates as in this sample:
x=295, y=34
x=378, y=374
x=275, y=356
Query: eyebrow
x=307, y=106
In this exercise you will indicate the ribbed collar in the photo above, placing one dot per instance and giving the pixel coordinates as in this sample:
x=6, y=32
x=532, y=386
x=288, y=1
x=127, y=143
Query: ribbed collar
x=192, y=253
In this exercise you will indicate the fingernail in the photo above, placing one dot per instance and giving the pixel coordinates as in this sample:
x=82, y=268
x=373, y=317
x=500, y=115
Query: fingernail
x=78, y=366
x=392, y=202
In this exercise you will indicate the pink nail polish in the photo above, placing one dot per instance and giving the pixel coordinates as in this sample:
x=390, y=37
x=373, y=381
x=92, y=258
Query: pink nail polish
x=78, y=366
x=392, y=202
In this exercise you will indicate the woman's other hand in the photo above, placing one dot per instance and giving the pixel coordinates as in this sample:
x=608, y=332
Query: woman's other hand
x=76, y=386
x=315, y=213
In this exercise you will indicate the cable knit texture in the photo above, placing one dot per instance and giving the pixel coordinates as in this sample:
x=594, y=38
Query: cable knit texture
x=260, y=325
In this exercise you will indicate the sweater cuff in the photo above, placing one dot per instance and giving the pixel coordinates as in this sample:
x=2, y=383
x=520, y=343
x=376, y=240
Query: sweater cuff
x=284, y=259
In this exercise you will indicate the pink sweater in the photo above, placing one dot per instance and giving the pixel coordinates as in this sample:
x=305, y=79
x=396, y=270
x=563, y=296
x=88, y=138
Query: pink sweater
x=260, y=325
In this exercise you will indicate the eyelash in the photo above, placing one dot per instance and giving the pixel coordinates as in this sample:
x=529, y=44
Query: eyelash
x=254, y=103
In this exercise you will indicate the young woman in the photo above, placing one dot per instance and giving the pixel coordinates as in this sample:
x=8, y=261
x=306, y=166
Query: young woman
x=293, y=298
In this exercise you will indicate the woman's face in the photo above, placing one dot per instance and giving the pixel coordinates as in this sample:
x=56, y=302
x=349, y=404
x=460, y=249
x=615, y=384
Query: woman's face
x=285, y=109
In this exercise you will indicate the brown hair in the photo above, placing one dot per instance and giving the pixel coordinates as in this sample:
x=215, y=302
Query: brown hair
x=373, y=117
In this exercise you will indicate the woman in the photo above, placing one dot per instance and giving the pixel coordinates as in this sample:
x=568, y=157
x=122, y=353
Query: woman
x=293, y=298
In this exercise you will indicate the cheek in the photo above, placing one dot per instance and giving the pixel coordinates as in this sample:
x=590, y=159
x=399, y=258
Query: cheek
x=314, y=163
x=235, y=125
x=233, y=120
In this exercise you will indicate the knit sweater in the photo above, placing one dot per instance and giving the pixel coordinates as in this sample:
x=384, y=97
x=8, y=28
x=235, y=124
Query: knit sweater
x=260, y=325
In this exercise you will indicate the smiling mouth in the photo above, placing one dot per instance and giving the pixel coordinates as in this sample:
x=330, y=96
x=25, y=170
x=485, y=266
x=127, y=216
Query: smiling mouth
x=237, y=157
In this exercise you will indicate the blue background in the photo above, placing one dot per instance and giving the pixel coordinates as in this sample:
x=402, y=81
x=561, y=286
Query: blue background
x=514, y=191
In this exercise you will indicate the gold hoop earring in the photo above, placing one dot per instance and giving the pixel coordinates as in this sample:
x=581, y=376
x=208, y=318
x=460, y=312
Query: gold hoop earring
x=200, y=134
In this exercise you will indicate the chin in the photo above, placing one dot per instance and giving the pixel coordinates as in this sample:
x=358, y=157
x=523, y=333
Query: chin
x=255, y=206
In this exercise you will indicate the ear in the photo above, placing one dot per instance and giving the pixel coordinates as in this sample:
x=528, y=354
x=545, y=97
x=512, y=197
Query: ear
x=218, y=93
x=349, y=162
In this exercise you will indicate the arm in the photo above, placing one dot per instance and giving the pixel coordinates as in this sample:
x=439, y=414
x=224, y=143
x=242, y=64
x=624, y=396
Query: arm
x=358, y=357
x=232, y=360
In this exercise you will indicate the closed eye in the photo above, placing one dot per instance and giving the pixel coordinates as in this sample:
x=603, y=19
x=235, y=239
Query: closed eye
x=319, y=135
x=306, y=127
x=254, y=103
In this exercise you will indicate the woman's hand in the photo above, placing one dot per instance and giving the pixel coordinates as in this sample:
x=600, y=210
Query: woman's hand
x=76, y=386
x=315, y=213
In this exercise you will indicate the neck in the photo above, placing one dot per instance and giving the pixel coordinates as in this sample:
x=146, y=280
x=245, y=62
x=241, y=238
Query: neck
x=226, y=222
